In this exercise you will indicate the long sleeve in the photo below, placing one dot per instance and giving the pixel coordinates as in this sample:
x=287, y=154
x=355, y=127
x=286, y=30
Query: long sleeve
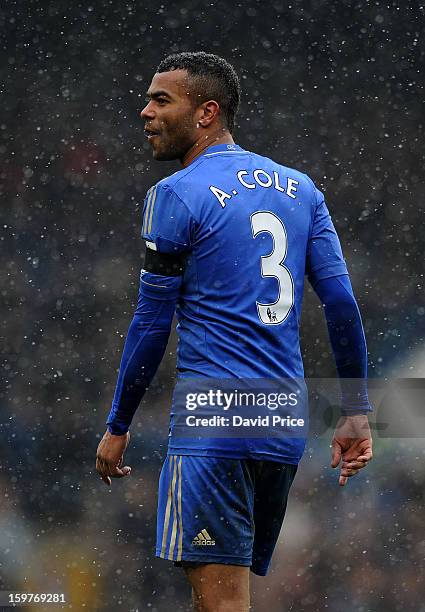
x=348, y=341
x=144, y=346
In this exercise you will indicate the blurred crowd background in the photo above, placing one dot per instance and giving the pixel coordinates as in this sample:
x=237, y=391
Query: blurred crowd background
x=332, y=88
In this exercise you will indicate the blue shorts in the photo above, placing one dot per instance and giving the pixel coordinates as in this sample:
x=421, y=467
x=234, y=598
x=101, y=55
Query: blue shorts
x=213, y=510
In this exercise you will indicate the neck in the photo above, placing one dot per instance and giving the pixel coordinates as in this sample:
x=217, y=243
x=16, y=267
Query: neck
x=205, y=141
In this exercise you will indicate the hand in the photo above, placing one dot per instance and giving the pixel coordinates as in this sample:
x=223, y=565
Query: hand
x=352, y=442
x=110, y=455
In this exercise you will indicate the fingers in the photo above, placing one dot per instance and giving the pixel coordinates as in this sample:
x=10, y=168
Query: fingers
x=350, y=468
x=109, y=457
x=336, y=453
x=366, y=456
x=345, y=471
x=108, y=471
x=354, y=465
x=342, y=481
x=102, y=471
x=355, y=454
x=121, y=472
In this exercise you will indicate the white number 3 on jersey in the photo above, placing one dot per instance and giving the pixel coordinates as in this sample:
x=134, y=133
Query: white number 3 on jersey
x=272, y=265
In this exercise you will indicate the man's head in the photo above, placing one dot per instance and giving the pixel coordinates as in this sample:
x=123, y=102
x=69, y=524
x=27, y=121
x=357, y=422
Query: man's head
x=192, y=95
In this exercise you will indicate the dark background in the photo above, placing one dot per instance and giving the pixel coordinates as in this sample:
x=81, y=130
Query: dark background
x=334, y=89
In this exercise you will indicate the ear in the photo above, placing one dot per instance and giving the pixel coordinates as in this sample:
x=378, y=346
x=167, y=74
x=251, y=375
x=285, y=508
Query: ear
x=208, y=113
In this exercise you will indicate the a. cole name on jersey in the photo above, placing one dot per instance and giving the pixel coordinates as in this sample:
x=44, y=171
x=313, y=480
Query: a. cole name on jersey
x=259, y=178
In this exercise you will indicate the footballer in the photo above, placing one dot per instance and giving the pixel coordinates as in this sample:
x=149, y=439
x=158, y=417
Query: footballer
x=229, y=239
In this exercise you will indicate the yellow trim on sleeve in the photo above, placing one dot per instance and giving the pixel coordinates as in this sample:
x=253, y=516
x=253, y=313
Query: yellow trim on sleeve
x=146, y=214
x=151, y=211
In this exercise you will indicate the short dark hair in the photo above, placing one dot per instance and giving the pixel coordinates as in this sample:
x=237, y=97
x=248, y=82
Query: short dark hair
x=214, y=79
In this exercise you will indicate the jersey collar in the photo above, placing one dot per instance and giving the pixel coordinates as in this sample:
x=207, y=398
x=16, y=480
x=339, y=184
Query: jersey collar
x=221, y=148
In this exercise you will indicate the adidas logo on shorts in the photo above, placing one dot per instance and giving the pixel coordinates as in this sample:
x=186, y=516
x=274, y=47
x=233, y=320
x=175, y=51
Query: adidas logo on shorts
x=203, y=539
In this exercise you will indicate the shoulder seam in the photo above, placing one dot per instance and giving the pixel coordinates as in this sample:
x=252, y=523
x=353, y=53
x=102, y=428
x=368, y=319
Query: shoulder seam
x=171, y=188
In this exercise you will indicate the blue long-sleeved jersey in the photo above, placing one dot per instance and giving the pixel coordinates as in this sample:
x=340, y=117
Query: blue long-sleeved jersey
x=251, y=229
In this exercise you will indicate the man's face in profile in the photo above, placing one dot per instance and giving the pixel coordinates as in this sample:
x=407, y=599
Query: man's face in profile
x=169, y=115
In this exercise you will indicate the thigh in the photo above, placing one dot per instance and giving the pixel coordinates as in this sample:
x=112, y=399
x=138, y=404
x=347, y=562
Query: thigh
x=273, y=481
x=205, y=511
